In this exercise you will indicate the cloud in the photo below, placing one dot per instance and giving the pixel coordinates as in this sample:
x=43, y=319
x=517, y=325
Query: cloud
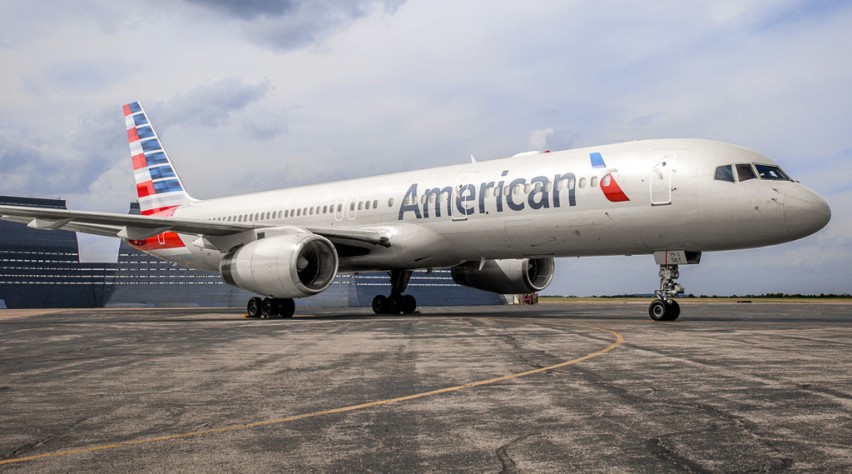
x=59, y=164
x=287, y=25
x=249, y=9
x=212, y=104
x=538, y=139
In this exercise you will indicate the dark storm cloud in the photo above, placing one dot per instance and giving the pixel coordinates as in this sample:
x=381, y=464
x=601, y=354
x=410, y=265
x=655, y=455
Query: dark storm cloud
x=248, y=9
x=293, y=24
x=212, y=104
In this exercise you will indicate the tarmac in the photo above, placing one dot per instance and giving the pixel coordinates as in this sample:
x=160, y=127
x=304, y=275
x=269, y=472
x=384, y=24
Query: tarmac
x=547, y=388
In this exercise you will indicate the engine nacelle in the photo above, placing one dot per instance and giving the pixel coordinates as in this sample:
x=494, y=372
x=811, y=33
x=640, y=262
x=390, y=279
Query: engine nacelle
x=509, y=276
x=283, y=266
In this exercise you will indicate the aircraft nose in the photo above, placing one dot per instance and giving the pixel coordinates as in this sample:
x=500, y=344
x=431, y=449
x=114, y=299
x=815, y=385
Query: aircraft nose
x=804, y=212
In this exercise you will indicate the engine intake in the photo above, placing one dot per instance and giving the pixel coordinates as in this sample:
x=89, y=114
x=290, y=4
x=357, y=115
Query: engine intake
x=509, y=276
x=287, y=266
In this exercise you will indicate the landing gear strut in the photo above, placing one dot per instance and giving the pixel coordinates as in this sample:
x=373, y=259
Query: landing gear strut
x=665, y=308
x=396, y=302
x=271, y=308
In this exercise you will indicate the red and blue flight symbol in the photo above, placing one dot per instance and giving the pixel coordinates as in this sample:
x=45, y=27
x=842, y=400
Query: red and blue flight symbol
x=610, y=188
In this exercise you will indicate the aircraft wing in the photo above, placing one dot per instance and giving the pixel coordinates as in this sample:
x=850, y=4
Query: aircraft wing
x=138, y=227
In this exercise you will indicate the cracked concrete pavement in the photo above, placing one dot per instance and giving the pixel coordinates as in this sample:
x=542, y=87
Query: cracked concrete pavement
x=726, y=388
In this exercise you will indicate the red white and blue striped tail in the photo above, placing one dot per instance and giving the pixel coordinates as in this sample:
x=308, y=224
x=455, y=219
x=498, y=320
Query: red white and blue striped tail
x=158, y=186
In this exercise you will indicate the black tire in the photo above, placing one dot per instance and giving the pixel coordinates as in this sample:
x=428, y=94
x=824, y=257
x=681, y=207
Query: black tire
x=409, y=304
x=286, y=307
x=380, y=304
x=658, y=310
x=267, y=308
x=253, y=308
x=394, y=304
x=674, y=311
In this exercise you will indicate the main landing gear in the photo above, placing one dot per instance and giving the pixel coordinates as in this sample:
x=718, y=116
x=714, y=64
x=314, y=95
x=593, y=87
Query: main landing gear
x=396, y=302
x=664, y=308
x=271, y=308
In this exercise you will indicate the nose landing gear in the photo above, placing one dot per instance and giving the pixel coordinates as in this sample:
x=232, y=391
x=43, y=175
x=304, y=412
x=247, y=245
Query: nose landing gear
x=396, y=302
x=665, y=308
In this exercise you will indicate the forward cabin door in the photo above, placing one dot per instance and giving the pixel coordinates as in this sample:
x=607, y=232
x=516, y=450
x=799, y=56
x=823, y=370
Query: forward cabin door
x=661, y=179
x=467, y=193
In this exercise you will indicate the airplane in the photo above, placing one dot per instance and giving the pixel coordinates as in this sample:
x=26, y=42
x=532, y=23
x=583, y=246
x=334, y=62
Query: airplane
x=497, y=224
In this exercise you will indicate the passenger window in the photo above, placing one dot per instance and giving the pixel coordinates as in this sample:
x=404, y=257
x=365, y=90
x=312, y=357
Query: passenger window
x=352, y=206
x=325, y=209
x=724, y=173
x=593, y=182
x=375, y=203
x=582, y=182
x=360, y=205
x=390, y=202
x=367, y=205
x=745, y=172
x=340, y=208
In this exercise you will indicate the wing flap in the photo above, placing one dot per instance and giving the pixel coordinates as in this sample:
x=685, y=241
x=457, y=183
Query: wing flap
x=348, y=234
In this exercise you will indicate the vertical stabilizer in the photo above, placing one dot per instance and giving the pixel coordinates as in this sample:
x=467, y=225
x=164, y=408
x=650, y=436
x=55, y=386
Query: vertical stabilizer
x=157, y=184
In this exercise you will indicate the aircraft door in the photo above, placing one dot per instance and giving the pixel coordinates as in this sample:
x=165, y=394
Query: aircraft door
x=339, y=209
x=460, y=209
x=351, y=208
x=661, y=179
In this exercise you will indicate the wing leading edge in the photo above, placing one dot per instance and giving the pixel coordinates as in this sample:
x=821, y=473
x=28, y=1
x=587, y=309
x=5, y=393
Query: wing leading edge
x=137, y=227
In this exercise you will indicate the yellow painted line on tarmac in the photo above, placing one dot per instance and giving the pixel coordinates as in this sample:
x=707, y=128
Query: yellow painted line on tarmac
x=277, y=421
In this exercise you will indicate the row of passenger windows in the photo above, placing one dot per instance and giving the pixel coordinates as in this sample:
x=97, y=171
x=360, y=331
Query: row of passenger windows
x=747, y=171
x=374, y=204
x=301, y=212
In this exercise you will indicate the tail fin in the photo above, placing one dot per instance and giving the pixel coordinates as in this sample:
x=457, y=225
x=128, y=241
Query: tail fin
x=157, y=184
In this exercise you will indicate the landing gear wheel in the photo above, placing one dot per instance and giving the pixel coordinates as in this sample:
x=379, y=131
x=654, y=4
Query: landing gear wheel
x=269, y=308
x=253, y=308
x=674, y=311
x=274, y=308
x=379, y=304
x=409, y=304
x=286, y=307
x=659, y=310
x=394, y=304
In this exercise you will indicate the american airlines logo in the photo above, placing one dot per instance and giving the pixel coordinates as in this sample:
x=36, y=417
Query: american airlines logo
x=468, y=199
x=516, y=195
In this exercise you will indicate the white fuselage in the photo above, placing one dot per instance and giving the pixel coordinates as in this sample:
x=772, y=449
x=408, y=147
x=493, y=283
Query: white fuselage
x=546, y=204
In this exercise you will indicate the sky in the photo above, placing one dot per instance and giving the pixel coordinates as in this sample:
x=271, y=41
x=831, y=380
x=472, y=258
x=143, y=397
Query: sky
x=256, y=95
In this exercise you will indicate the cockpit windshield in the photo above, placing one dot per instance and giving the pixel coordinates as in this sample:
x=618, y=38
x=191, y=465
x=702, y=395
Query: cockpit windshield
x=771, y=172
x=746, y=171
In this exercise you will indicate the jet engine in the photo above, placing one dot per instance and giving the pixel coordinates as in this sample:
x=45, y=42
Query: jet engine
x=509, y=276
x=285, y=266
